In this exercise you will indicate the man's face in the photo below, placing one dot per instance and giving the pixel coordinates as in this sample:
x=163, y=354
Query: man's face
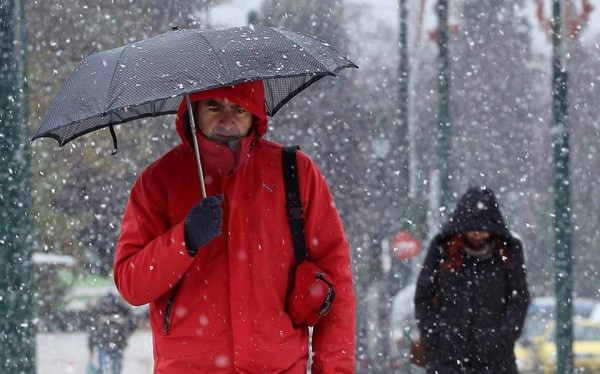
x=477, y=239
x=222, y=121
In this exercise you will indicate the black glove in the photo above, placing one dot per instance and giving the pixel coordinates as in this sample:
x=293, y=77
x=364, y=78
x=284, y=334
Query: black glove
x=203, y=223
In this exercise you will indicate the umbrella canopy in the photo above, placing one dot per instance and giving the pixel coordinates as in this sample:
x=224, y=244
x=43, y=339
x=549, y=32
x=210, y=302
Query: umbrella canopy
x=150, y=77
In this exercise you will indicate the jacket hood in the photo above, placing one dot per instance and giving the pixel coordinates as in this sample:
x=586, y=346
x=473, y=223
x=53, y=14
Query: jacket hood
x=248, y=95
x=477, y=210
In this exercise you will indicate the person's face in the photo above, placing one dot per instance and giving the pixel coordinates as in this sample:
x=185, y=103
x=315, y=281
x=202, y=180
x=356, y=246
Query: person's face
x=477, y=239
x=222, y=121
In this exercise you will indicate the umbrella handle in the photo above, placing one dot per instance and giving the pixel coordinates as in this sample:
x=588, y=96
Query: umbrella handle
x=196, y=148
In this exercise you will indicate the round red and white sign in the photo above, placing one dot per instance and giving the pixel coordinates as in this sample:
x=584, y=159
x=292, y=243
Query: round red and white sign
x=404, y=245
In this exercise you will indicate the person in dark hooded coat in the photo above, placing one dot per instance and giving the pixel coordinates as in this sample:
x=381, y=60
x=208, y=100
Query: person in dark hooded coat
x=111, y=325
x=471, y=297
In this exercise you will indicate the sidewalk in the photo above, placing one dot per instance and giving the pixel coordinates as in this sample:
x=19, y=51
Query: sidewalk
x=65, y=353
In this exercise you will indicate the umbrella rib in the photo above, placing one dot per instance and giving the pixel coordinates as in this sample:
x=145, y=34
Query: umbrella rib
x=112, y=79
x=101, y=126
x=64, y=133
x=297, y=91
x=300, y=45
x=217, y=55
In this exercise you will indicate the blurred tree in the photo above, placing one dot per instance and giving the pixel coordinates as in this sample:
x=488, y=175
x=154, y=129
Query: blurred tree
x=491, y=102
x=50, y=291
x=183, y=13
x=321, y=19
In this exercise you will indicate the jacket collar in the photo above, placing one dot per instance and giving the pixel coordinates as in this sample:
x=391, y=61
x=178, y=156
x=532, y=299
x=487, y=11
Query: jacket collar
x=220, y=159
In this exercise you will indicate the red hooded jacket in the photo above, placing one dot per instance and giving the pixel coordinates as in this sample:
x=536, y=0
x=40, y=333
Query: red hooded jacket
x=223, y=311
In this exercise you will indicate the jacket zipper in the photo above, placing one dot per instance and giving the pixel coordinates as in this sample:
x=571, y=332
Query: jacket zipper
x=167, y=317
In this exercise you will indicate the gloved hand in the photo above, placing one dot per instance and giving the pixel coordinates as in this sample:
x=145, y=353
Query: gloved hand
x=203, y=223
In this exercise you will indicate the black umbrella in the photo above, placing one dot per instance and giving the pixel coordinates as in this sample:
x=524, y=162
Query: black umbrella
x=149, y=78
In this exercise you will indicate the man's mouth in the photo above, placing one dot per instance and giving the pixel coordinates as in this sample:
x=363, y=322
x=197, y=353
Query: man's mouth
x=226, y=137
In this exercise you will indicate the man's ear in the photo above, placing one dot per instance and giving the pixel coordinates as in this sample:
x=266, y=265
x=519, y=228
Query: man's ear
x=187, y=132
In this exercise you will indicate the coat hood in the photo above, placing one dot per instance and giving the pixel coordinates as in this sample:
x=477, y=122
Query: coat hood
x=248, y=95
x=477, y=210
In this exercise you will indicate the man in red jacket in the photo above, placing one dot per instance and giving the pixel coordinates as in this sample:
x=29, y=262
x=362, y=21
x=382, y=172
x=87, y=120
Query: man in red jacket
x=216, y=271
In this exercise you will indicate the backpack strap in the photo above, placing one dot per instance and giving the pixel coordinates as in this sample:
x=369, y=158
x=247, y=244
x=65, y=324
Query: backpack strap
x=294, y=205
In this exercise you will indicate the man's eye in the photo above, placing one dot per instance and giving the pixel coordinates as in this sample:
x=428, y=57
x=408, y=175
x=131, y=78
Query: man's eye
x=213, y=108
x=240, y=110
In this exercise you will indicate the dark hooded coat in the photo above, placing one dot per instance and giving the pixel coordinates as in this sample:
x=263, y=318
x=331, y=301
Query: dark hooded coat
x=471, y=310
x=111, y=325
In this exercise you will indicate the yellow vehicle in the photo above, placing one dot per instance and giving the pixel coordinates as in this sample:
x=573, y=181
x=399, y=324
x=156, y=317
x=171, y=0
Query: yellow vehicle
x=526, y=358
x=586, y=347
x=536, y=331
x=526, y=348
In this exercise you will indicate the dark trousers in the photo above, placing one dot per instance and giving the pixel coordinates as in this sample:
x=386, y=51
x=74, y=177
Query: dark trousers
x=110, y=361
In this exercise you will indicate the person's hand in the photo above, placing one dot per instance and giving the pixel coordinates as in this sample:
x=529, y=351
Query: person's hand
x=203, y=223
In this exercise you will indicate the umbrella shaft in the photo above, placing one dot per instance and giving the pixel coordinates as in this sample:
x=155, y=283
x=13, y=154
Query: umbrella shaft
x=196, y=148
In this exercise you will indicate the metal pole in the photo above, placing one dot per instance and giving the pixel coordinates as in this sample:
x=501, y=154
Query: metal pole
x=444, y=120
x=196, y=148
x=17, y=332
x=562, y=218
x=400, y=269
x=403, y=93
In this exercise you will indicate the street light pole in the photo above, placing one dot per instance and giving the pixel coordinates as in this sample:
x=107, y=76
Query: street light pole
x=403, y=81
x=400, y=269
x=562, y=217
x=17, y=332
x=444, y=120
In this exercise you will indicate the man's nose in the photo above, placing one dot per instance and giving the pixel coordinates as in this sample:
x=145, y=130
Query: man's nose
x=227, y=118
